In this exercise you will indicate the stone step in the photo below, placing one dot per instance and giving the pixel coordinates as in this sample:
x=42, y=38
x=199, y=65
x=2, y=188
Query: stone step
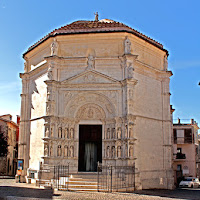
x=81, y=183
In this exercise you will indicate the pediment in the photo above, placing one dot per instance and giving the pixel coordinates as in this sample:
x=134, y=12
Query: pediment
x=89, y=77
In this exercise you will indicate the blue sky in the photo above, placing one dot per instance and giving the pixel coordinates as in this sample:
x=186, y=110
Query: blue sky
x=175, y=24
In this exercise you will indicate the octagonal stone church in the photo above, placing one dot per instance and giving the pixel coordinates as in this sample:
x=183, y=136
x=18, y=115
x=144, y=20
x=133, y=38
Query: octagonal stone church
x=97, y=91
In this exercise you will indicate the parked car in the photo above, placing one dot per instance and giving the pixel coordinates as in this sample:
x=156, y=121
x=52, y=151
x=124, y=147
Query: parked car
x=190, y=182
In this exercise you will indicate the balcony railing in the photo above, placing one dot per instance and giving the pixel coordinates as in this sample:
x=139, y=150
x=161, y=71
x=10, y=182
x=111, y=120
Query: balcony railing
x=180, y=156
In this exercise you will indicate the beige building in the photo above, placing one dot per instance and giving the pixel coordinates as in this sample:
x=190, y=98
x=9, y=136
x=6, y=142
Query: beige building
x=97, y=91
x=10, y=129
x=186, y=147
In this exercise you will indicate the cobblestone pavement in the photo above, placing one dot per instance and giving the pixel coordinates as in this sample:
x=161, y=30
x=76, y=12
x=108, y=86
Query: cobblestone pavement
x=21, y=191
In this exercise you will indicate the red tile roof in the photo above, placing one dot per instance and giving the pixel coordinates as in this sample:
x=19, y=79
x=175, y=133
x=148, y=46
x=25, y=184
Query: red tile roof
x=82, y=27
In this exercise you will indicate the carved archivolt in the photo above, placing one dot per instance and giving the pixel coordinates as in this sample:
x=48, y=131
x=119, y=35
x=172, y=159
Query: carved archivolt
x=101, y=106
x=90, y=111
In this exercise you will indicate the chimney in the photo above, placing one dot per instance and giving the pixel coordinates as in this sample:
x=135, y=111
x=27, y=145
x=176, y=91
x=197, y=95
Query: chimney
x=192, y=121
x=18, y=119
x=179, y=121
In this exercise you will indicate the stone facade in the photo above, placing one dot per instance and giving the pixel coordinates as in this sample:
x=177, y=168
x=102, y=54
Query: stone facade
x=113, y=79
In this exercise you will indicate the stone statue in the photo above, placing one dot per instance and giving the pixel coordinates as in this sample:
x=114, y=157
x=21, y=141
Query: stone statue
x=48, y=110
x=59, y=150
x=46, y=150
x=127, y=46
x=71, y=151
x=165, y=63
x=96, y=17
x=71, y=133
x=130, y=71
x=51, y=132
x=108, y=152
x=66, y=151
x=47, y=133
x=90, y=62
x=131, y=151
x=66, y=133
x=119, y=133
x=51, y=150
x=108, y=133
x=113, y=152
x=50, y=72
x=130, y=132
x=60, y=132
x=54, y=47
x=119, y=151
x=113, y=133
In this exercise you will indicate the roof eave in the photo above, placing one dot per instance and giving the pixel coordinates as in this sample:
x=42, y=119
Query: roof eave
x=113, y=31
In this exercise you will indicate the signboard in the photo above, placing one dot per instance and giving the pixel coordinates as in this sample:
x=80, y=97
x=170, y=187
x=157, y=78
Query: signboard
x=20, y=164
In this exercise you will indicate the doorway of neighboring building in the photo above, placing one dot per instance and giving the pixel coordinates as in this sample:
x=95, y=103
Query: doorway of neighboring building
x=90, y=147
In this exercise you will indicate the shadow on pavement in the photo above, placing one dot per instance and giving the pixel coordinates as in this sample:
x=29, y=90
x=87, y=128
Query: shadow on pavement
x=176, y=194
x=25, y=192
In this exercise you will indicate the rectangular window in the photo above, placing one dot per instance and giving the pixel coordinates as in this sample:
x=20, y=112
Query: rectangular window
x=180, y=133
x=179, y=168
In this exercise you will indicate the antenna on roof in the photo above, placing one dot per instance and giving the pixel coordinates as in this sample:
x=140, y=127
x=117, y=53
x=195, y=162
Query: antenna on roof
x=96, y=17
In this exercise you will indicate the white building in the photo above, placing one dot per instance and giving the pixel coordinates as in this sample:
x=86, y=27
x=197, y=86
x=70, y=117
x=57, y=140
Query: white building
x=97, y=91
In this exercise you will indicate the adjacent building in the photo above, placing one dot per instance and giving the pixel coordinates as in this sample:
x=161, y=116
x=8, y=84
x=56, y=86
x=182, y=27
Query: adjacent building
x=10, y=129
x=97, y=91
x=186, y=149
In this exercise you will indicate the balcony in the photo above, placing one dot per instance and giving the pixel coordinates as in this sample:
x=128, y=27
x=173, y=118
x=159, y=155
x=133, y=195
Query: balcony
x=182, y=140
x=180, y=156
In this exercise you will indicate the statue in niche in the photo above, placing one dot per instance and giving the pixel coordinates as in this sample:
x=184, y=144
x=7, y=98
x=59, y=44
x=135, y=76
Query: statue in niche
x=48, y=109
x=51, y=132
x=130, y=132
x=71, y=133
x=130, y=151
x=119, y=151
x=126, y=131
x=113, y=133
x=130, y=71
x=51, y=150
x=46, y=150
x=113, y=152
x=90, y=62
x=48, y=96
x=108, y=152
x=127, y=46
x=71, y=151
x=60, y=132
x=66, y=151
x=119, y=133
x=126, y=150
x=108, y=133
x=50, y=72
x=54, y=47
x=47, y=132
x=66, y=133
x=59, y=150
